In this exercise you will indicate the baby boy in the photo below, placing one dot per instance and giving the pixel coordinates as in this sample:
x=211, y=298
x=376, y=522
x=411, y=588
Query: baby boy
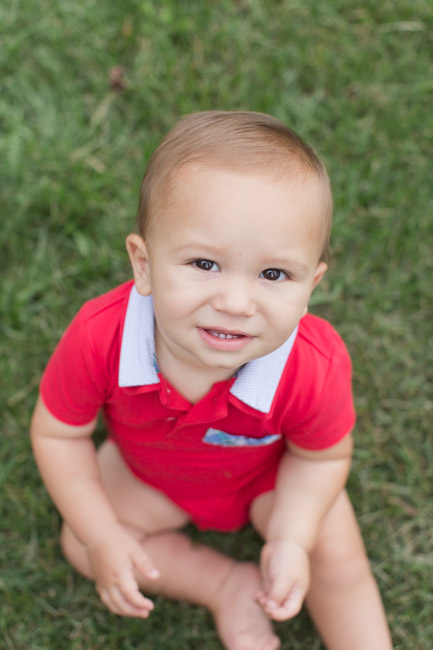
x=225, y=402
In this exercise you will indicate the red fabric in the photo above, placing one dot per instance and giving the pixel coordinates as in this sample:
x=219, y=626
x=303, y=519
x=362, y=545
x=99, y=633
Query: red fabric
x=160, y=434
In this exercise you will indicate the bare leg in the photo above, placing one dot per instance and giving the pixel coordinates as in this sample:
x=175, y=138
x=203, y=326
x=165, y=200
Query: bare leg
x=189, y=572
x=343, y=600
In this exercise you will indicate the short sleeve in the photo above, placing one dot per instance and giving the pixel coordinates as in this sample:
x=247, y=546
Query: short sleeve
x=73, y=385
x=327, y=413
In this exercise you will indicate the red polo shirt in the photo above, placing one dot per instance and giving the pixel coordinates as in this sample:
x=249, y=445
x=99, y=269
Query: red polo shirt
x=228, y=444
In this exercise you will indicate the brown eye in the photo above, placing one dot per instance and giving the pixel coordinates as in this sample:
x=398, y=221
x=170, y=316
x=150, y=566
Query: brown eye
x=273, y=275
x=205, y=265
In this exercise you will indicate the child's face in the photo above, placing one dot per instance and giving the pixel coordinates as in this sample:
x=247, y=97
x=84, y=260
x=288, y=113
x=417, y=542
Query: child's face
x=231, y=262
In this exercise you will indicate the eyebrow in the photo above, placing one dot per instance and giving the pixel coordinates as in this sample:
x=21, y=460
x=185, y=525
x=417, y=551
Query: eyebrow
x=199, y=246
x=282, y=262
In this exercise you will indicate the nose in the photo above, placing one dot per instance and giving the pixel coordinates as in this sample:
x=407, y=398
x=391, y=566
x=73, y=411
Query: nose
x=234, y=296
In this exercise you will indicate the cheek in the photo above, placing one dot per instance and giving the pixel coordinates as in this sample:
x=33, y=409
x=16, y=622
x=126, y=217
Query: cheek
x=182, y=293
x=175, y=282
x=285, y=314
x=173, y=306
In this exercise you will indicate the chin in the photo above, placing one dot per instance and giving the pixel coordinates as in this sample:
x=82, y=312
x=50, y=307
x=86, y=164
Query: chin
x=221, y=364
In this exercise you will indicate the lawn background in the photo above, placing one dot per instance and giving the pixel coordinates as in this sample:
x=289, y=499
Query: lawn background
x=353, y=78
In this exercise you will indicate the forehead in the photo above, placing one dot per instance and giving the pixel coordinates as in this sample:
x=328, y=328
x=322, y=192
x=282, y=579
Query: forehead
x=197, y=193
x=186, y=181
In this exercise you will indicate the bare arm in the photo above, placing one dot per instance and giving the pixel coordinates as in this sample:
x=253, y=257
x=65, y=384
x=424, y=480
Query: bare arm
x=308, y=484
x=66, y=458
x=67, y=461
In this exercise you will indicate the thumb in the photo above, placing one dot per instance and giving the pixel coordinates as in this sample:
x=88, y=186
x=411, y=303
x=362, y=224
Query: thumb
x=273, y=578
x=144, y=564
x=292, y=604
x=285, y=574
x=277, y=582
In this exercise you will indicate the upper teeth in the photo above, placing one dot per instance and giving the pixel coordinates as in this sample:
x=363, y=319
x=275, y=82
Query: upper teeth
x=221, y=335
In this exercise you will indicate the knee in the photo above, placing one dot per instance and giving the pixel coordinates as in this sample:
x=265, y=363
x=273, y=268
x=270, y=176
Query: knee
x=340, y=563
x=339, y=557
x=74, y=551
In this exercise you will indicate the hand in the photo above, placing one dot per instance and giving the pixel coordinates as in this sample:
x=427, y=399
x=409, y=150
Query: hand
x=113, y=556
x=285, y=570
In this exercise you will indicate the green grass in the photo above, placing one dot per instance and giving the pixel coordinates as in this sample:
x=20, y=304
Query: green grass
x=352, y=78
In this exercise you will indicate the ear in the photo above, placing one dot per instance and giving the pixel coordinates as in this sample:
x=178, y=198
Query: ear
x=319, y=273
x=137, y=251
x=318, y=276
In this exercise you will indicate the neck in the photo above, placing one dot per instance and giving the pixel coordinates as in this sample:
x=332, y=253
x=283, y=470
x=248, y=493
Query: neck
x=192, y=383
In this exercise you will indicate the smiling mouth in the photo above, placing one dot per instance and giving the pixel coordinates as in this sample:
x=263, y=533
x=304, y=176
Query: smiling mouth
x=221, y=339
x=224, y=335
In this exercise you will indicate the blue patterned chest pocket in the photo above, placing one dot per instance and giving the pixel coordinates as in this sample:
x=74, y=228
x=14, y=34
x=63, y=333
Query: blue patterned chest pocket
x=223, y=439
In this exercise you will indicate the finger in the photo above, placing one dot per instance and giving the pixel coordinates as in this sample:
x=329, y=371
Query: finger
x=275, y=571
x=106, y=599
x=284, y=600
x=286, y=571
x=116, y=602
x=124, y=606
x=144, y=564
x=265, y=568
x=273, y=610
x=131, y=593
x=287, y=609
x=279, y=587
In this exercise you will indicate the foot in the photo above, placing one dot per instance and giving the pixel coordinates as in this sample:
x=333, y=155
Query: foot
x=241, y=623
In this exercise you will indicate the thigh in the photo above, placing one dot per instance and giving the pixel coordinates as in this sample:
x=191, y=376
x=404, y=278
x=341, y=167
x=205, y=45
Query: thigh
x=138, y=505
x=338, y=537
x=339, y=543
x=260, y=511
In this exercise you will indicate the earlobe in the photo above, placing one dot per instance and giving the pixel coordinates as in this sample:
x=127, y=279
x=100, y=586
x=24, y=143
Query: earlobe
x=137, y=251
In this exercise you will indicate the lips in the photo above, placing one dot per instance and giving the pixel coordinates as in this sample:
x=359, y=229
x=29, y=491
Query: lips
x=222, y=339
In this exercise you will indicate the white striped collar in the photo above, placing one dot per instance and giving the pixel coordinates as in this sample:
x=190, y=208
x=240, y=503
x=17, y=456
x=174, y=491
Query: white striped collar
x=255, y=385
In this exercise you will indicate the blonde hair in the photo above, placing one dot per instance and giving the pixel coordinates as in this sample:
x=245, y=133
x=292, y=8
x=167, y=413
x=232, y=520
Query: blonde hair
x=237, y=140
